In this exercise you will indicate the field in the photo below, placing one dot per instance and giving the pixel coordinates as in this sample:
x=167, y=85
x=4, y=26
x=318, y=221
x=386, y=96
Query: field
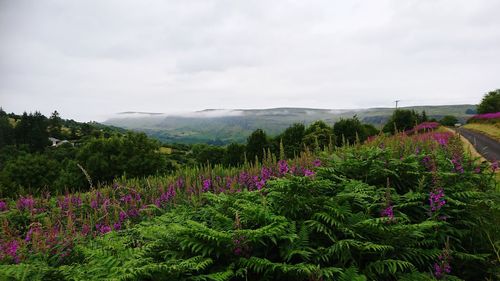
x=406, y=207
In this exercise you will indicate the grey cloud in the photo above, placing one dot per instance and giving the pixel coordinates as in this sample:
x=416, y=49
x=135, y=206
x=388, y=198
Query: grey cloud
x=91, y=58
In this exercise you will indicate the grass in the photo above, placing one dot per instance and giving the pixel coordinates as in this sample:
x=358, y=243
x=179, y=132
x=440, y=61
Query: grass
x=165, y=150
x=491, y=130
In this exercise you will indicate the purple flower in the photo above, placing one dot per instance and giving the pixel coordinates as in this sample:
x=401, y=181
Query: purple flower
x=265, y=173
x=85, y=229
x=477, y=170
x=117, y=226
x=388, y=212
x=133, y=213
x=283, y=167
x=94, y=204
x=11, y=249
x=26, y=203
x=122, y=216
x=457, y=165
x=103, y=228
x=29, y=233
x=260, y=184
x=3, y=206
x=207, y=183
x=180, y=183
x=436, y=199
x=495, y=115
x=442, y=267
x=308, y=173
x=126, y=198
x=494, y=166
x=317, y=163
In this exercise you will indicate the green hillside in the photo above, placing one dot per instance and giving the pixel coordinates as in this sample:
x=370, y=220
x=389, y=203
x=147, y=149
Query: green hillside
x=224, y=126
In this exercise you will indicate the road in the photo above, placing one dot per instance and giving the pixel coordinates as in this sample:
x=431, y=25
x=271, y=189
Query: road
x=486, y=146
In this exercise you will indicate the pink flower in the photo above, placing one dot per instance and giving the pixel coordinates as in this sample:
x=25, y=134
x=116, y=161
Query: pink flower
x=308, y=173
x=388, y=212
x=436, y=199
x=3, y=206
x=283, y=167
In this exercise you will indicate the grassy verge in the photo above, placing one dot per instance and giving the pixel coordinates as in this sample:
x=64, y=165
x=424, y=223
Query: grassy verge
x=491, y=130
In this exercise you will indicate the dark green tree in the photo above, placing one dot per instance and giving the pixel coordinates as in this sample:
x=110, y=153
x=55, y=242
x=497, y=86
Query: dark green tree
x=318, y=135
x=423, y=117
x=208, y=154
x=349, y=130
x=490, y=103
x=32, y=130
x=370, y=130
x=401, y=120
x=6, y=131
x=448, y=120
x=293, y=139
x=132, y=154
x=234, y=154
x=29, y=172
x=55, y=125
x=257, y=142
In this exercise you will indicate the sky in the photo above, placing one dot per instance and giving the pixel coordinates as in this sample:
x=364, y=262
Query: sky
x=90, y=59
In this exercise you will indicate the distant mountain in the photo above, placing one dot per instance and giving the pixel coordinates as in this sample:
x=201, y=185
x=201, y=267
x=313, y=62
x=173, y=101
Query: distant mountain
x=221, y=126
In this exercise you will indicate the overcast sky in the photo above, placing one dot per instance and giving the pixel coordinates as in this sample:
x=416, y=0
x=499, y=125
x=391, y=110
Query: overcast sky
x=92, y=58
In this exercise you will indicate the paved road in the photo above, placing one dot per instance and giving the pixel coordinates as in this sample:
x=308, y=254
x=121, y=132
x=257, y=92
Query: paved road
x=486, y=146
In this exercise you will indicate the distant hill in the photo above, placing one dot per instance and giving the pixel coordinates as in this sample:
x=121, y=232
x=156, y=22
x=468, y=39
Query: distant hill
x=221, y=126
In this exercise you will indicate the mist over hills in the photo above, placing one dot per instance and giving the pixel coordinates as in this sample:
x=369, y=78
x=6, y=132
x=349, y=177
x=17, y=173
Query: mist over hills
x=222, y=126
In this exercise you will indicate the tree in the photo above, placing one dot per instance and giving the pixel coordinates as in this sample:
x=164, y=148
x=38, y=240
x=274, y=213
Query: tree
x=55, y=125
x=422, y=117
x=370, y=130
x=132, y=154
x=31, y=172
x=401, y=120
x=211, y=154
x=6, y=131
x=234, y=154
x=292, y=139
x=449, y=120
x=257, y=142
x=490, y=103
x=32, y=130
x=349, y=130
x=318, y=135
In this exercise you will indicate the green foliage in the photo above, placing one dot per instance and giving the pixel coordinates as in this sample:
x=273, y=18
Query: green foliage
x=292, y=139
x=234, y=155
x=132, y=154
x=318, y=135
x=32, y=130
x=490, y=103
x=448, y=120
x=257, y=143
x=349, y=131
x=328, y=227
x=402, y=120
x=31, y=172
x=208, y=154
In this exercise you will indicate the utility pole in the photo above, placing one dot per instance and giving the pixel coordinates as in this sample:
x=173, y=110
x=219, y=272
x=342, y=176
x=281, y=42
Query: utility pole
x=396, y=101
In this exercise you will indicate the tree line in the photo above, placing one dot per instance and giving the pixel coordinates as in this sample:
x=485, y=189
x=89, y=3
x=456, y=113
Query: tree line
x=95, y=153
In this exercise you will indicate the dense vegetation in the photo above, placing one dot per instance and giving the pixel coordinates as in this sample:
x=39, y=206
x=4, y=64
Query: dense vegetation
x=408, y=207
x=490, y=103
x=30, y=164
